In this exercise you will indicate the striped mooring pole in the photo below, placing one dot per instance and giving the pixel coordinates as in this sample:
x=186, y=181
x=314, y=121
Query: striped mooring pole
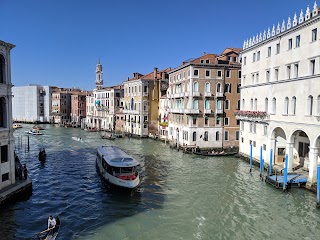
x=318, y=186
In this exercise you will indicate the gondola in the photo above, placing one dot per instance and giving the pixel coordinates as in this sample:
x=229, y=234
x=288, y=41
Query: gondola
x=48, y=234
x=42, y=155
x=210, y=154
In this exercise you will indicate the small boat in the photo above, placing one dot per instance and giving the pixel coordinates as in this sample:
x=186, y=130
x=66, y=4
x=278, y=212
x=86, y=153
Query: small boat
x=79, y=139
x=42, y=155
x=16, y=125
x=216, y=154
x=37, y=127
x=48, y=234
x=34, y=132
x=91, y=129
x=117, y=167
x=109, y=137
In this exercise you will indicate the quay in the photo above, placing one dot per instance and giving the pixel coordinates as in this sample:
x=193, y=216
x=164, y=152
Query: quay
x=16, y=191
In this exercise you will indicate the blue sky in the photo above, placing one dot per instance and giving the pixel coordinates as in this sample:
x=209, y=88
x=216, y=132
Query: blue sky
x=59, y=42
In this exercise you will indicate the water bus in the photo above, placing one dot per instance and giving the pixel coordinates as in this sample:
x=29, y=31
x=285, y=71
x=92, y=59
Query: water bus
x=117, y=167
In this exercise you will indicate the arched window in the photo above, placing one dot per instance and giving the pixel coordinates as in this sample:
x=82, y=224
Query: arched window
x=217, y=136
x=3, y=113
x=274, y=104
x=318, y=106
x=227, y=88
x=195, y=87
x=255, y=104
x=194, y=136
x=227, y=104
x=251, y=104
x=293, y=105
x=218, y=87
x=286, y=106
x=266, y=105
x=207, y=87
x=238, y=106
x=309, y=105
x=219, y=104
x=207, y=104
x=195, y=104
x=206, y=136
x=2, y=69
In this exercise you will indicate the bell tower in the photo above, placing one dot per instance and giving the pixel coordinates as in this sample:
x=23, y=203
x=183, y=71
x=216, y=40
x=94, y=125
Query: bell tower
x=99, y=80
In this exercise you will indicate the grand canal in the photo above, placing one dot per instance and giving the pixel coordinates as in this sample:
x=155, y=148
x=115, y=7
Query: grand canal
x=181, y=196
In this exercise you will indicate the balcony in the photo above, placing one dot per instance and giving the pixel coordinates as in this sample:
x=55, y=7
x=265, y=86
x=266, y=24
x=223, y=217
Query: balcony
x=208, y=94
x=219, y=111
x=207, y=111
x=102, y=108
x=192, y=111
x=126, y=111
x=176, y=110
x=219, y=94
x=251, y=115
x=196, y=94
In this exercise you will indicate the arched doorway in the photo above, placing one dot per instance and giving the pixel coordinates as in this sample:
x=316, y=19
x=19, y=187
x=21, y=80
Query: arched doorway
x=300, y=149
x=278, y=144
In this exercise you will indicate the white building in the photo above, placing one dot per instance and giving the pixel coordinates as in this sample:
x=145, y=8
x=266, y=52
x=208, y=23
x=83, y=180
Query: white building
x=31, y=103
x=7, y=163
x=280, y=92
x=103, y=104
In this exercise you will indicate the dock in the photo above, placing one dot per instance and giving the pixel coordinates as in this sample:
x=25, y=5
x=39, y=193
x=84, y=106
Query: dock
x=16, y=191
x=293, y=180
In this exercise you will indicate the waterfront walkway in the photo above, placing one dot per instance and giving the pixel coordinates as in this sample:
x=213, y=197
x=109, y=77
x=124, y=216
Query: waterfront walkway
x=19, y=189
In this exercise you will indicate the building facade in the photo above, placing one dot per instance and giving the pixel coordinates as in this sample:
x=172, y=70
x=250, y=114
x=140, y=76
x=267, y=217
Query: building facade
x=78, y=108
x=31, y=104
x=203, y=94
x=103, y=104
x=7, y=162
x=141, y=102
x=280, y=94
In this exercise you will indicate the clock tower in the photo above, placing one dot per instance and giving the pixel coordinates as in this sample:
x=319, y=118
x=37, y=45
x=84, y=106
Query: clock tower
x=99, y=80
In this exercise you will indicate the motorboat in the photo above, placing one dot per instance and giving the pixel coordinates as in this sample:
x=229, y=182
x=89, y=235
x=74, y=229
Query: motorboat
x=34, y=132
x=214, y=154
x=16, y=125
x=117, y=167
x=79, y=139
x=37, y=127
x=42, y=155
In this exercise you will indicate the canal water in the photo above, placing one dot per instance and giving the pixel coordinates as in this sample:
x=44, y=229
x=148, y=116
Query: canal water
x=181, y=196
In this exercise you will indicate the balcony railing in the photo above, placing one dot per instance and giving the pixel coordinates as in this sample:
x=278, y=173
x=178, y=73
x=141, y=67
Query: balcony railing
x=208, y=94
x=219, y=111
x=176, y=110
x=251, y=115
x=192, y=111
x=219, y=94
x=207, y=111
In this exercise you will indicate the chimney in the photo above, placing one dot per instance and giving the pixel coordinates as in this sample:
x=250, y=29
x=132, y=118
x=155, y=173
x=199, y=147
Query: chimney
x=155, y=71
x=204, y=53
x=134, y=74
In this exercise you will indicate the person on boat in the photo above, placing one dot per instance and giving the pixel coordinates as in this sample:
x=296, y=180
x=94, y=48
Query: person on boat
x=51, y=224
x=25, y=172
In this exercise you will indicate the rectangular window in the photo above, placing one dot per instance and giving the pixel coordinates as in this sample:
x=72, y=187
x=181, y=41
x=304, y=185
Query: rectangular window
x=314, y=35
x=254, y=144
x=194, y=121
x=5, y=177
x=290, y=44
x=312, y=66
x=242, y=140
x=257, y=77
x=226, y=135
x=254, y=128
x=258, y=56
x=269, y=51
x=265, y=130
x=239, y=74
x=207, y=73
x=296, y=70
x=145, y=89
x=238, y=122
x=242, y=126
x=264, y=147
x=288, y=72
x=227, y=73
x=297, y=41
x=250, y=130
x=4, y=153
x=267, y=75
x=244, y=60
x=276, y=74
x=206, y=121
x=195, y=73
x=201, y=61
x=254, y=57
x=226, y=121
x=278, y=48
x=219, y=74
x=237, y=135
x=207, y=61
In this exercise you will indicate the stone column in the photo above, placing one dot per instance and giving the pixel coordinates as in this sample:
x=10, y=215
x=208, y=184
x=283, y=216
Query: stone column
x=313, y=158
x=289, y=151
